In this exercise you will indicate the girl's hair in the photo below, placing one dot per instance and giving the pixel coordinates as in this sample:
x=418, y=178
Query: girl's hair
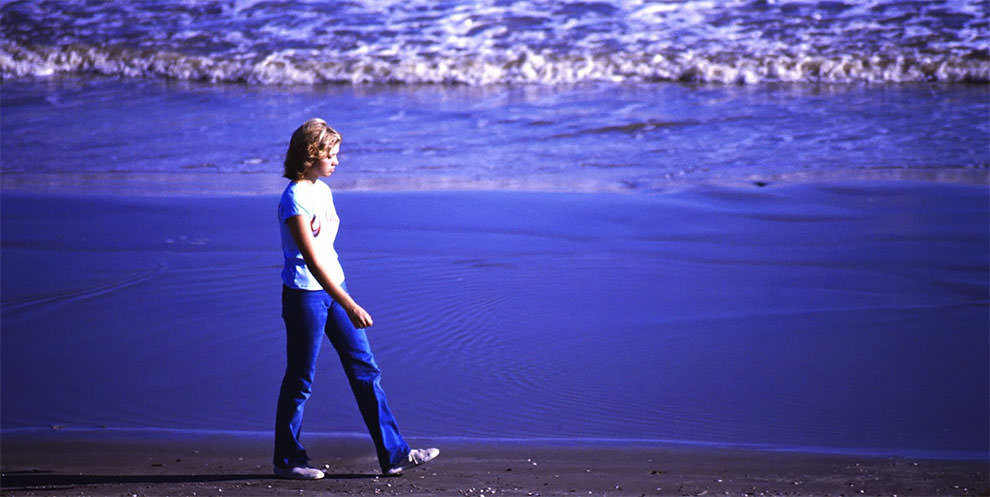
x=310, y=142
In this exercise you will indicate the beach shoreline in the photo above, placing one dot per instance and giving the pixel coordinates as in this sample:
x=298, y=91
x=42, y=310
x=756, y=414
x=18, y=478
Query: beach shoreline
x=70, y=184
x=89, y=462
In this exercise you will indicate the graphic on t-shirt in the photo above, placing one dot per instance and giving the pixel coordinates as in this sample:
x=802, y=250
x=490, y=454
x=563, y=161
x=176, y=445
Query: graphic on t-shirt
x=321, y=217
x=315, y=225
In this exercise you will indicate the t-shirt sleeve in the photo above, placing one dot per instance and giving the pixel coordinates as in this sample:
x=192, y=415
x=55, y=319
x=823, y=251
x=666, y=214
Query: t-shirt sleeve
x=292, y=205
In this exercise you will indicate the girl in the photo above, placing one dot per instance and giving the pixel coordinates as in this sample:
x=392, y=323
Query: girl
x=315, y=302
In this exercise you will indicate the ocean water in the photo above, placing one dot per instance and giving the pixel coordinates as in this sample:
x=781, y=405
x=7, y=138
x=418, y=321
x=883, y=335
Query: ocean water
x=844, y=317
x=501, y=41
x=108, y=135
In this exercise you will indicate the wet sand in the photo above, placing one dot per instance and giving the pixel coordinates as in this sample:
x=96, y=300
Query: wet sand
x=91, y=463
x=817, y=318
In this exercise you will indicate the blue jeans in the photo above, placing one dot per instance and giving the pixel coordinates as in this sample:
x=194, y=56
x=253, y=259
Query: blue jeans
x=308, y=315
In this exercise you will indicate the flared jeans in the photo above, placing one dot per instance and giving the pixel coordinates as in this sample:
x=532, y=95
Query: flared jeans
x=308, y=316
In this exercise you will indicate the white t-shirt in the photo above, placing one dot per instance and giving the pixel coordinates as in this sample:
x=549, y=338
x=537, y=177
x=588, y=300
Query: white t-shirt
x=314, y=202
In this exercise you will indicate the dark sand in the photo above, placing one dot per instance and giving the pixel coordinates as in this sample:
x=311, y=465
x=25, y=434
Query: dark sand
x=94, y=463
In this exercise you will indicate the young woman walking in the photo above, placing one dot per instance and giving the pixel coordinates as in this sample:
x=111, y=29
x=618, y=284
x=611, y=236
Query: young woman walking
x=315, y=302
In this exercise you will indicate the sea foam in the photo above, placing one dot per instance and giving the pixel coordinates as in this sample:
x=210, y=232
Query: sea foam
x=518, y=42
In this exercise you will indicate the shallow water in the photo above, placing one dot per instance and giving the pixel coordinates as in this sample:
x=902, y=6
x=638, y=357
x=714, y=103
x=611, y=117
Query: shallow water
x=101, y=135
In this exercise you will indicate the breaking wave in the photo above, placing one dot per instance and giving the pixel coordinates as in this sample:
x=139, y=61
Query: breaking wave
x=501, y=42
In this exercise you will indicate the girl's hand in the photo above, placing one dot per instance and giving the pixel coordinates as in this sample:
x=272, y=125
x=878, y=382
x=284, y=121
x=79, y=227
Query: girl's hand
x=359, y=317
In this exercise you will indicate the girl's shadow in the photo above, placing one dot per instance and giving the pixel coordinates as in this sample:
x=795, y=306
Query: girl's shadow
x=15, y=480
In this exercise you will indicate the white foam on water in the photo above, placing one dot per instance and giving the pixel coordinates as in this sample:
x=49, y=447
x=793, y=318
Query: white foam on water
x=520, y=42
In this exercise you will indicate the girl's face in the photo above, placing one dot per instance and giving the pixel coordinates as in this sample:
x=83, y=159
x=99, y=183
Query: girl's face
x=326, y=166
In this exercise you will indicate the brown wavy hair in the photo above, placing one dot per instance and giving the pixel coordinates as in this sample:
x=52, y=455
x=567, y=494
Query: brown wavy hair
x=310, y=142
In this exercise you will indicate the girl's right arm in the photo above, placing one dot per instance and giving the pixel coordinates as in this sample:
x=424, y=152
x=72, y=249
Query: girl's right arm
x=299, y=228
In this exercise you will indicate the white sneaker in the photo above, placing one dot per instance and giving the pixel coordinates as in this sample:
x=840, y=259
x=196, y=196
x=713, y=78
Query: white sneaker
x=416, y=457
x=299, y=473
